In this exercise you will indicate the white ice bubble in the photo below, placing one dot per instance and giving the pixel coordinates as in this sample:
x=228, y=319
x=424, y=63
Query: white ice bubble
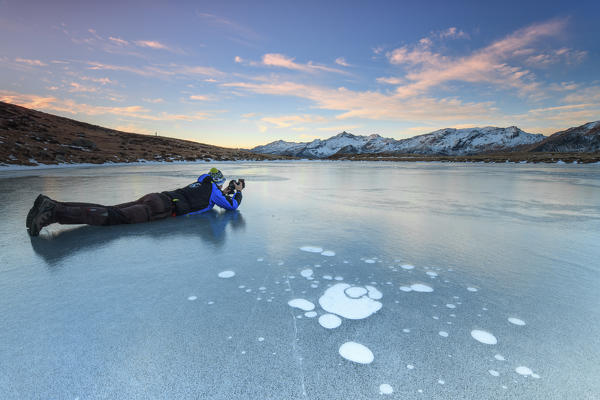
x=328, y=277
x=311, y=249
x=335, y=301
x=226, y=274
x=484, y=337
x=405, y=289
x=450, y=306
x=385, y=389
x=523, y=371
x=339, y=278
x=192, y=298
x=494, y=373
x=407, y=266
x=536, y=376
x=405, y=330
x=261, y=339
x=369, y=261
x=499, y=357
x=328, y=253
x=410, y=366
x=260, y=259
x=471, y=289
x=356, y=352
x=310, y=314
x=441, y=381
x=419, y=287
x=443, y=333
x=516, y=321
x=330, y=321
x=314, y=285
x=210, y=303
x=307, y=273
x=302, y=304
x=431, y=274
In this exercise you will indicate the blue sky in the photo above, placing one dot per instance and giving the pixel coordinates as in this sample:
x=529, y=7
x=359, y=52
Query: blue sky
x=240, y=74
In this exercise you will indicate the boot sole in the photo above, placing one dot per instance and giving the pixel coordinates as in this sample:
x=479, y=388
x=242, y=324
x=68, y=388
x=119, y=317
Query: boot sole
x=36, y=217
x=34, y=210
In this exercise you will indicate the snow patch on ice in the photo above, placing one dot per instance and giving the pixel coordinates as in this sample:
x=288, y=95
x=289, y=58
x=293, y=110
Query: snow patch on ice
x=483, y=337
x=311, y=249
x=336, y=301
x=420, y=287
x=356, y=352
x=302, y=304
x=525, y=371
x=330, y=321
x=385, y=389
x=516, y=321
x=307, y=273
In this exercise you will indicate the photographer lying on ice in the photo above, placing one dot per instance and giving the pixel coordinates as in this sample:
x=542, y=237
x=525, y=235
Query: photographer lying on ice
x=197, y=197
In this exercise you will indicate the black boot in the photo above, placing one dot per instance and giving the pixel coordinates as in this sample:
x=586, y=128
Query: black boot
x=40, y=215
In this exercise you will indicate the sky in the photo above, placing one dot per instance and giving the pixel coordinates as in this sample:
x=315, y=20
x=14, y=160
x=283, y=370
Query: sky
x=246, y=73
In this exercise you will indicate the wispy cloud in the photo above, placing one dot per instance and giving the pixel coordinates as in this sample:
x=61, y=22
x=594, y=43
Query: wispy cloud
x=374, y=105
x=164, y=71
x=282, y=61
x=119, y=41
x=428, y=69
x=286, y=121
x=68, y=106
x=153, y=101
x=341, y=61
x=33, y=63
x=152, y=44
x=232, y=26
x=199, y=97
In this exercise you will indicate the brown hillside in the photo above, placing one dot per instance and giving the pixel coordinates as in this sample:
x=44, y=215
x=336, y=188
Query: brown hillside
x=28, y=137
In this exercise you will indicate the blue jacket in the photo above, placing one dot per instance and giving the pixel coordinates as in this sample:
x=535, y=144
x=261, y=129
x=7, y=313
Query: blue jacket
x=202, y=196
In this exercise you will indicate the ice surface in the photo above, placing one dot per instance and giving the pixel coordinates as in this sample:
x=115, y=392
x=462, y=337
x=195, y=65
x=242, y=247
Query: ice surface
x=356, y=352
x=103, y=312
x=483, y=337
x=328, y=253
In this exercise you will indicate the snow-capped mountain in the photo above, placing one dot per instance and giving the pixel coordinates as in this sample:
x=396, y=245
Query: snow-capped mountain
x=445, y=141
x=584, y=138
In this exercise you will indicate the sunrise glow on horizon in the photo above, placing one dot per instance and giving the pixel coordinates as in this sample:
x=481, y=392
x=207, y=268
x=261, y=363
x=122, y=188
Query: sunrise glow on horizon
x=241, y=74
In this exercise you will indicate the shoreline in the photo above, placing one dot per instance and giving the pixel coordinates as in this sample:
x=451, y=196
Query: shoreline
x=424, y=160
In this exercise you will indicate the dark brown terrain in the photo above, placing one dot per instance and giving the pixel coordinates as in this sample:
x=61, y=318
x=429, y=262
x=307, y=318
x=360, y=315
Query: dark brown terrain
x=29, y=137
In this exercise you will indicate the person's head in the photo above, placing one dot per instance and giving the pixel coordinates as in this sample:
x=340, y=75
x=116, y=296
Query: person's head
x=216, y=176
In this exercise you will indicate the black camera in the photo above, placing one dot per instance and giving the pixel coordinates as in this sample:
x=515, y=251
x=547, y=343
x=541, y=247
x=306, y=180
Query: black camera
x=231, y=186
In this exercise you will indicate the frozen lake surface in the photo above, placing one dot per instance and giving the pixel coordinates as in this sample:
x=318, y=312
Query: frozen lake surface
x=333, y=281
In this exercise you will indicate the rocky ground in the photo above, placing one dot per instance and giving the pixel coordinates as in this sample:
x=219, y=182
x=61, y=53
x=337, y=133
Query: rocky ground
x=29, y=137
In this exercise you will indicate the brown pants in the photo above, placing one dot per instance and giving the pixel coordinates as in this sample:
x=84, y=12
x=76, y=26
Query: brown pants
x=151, y=207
